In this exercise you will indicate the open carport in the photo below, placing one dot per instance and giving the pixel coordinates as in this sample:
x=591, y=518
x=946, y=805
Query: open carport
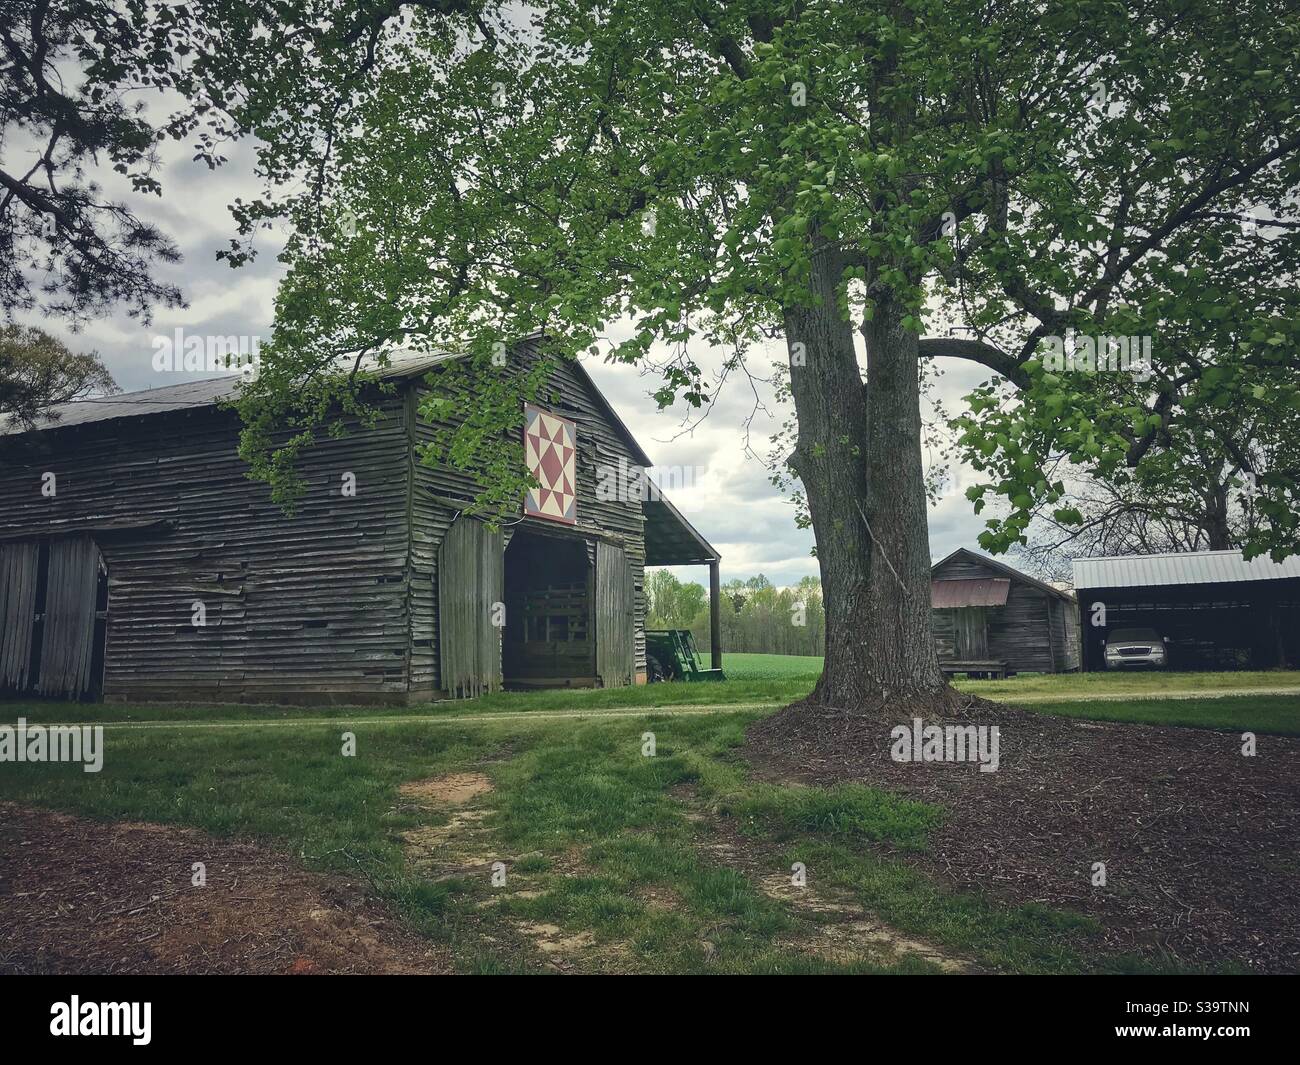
x=1218, y=610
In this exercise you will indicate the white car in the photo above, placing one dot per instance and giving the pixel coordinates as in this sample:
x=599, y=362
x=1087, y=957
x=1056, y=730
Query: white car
x=1133, y=648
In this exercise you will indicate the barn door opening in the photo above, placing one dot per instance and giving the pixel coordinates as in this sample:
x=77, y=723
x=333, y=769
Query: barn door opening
x=972, y=633
x=470, y=603
x=615, y=617
x=53, y=609
x=548, y=634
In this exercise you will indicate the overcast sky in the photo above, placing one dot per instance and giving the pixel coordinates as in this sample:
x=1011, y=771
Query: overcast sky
x=731, y=502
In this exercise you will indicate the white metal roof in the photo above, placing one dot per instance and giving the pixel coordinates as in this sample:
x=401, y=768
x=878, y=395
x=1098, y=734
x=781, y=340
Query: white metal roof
x=1187, y=567
x=187, y=395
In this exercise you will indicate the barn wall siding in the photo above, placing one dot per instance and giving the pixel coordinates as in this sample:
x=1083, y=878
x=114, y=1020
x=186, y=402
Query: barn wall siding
x=1065, y=626
x=440, y=491
x=338, y=603
x=311, y=607
x=1018, y=632
x=945, y=634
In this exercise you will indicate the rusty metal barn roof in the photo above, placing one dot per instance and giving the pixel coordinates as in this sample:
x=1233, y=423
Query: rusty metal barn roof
x=1187, y=567
x=1001, y=567
x=183, y=396
x=985, y=591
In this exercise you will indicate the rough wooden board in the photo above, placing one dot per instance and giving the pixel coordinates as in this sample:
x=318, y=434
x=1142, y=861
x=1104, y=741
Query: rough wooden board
x=615, y=611
x=18, y=562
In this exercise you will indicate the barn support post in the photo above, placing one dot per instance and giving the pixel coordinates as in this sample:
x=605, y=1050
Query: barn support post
x=1275, y=623
x=715, y=614
x=1050, y=604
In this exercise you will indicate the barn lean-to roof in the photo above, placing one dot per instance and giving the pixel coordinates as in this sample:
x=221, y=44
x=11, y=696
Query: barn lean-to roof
x=671, y=540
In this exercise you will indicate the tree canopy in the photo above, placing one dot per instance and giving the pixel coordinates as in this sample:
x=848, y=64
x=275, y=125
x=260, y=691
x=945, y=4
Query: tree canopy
x=76, y=77
x=1093, y=201
x=38, y=372
x=1082, y=170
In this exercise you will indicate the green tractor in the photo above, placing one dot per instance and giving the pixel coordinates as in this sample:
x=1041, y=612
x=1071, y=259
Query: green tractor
x=670, y=654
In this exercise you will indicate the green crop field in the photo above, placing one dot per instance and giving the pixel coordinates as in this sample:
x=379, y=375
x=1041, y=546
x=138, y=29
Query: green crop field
x=771, y=667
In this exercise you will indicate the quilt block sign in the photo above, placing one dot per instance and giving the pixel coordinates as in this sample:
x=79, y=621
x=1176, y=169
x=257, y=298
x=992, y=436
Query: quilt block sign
x=550, y=450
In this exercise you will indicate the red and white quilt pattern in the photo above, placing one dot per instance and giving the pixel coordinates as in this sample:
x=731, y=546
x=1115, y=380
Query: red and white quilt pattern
x=550, y=449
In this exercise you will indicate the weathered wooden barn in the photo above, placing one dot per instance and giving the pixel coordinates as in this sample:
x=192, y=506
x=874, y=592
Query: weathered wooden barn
x=1215, y=609
x=138, y=562
x=992, y=620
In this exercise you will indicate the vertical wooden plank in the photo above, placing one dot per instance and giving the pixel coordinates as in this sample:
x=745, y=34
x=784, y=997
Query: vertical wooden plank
x=1049, y=608
x=18, y=576
x=67, y=642
x=492, y=579
x=972, y=633
x=615, y=616
x=471, y=579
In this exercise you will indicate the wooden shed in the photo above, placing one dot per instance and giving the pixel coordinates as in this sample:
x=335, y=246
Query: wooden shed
x=138, y=562
x=992, y=620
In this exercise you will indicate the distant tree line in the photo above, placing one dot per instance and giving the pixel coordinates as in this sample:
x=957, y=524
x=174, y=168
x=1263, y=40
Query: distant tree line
x=756, y=616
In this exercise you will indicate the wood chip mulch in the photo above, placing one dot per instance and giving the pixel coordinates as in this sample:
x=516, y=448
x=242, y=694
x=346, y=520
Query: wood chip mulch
x=89, y=897
x=1201, y=844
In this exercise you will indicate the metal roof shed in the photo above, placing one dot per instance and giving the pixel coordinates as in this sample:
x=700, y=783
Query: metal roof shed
x=1218, y=609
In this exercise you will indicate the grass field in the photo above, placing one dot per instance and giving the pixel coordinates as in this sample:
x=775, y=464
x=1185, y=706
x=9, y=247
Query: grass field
x=1204, y=700
x=670, y=863
x=771, y=667
x=1271, y=700
x=806, y=668
x=596, y=836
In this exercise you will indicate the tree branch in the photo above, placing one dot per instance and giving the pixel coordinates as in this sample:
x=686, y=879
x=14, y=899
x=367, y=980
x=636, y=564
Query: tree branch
x=979, y=351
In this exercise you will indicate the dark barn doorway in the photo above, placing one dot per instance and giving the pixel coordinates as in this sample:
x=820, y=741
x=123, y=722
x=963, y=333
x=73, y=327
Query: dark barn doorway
x=549, y=637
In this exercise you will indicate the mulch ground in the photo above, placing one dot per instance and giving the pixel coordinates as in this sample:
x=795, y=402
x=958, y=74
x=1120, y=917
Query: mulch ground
x=1201, y=844
x=82, y=896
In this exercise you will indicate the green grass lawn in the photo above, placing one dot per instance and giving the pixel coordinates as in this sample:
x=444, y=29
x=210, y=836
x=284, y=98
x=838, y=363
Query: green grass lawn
x=1115, y=685
x=1279, y=714
x=807, y=668
x=755, y=681
x=749, y=687
x=596, y=836
x=599, y=840
x=1149, y=698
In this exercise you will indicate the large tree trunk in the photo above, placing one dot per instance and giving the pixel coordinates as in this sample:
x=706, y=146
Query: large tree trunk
x=1216, y=526
x=859, y=459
